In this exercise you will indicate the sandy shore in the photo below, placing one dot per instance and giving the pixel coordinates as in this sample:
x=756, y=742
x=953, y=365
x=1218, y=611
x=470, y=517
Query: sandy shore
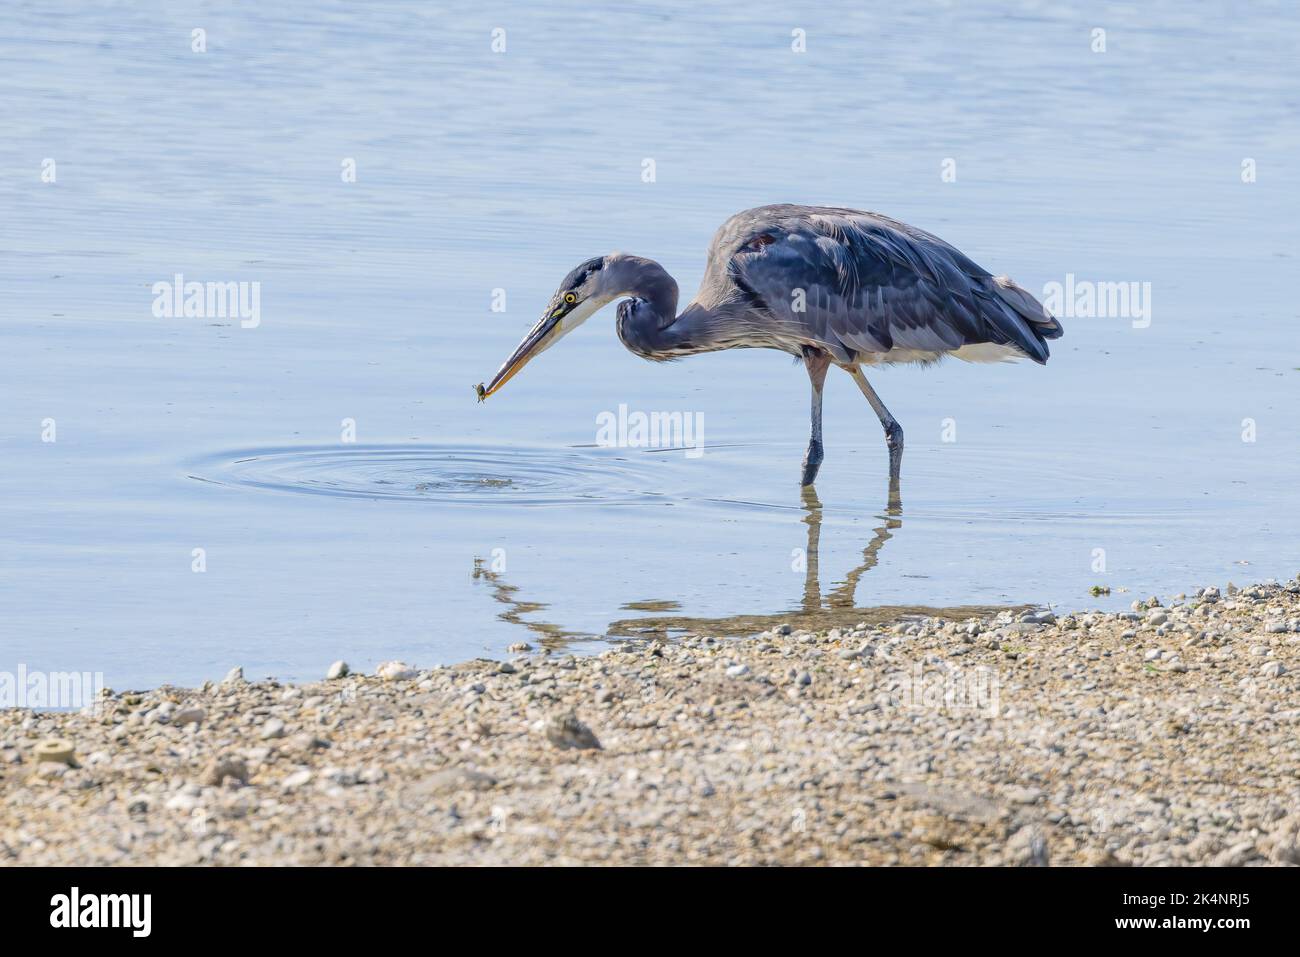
x=1169, y=735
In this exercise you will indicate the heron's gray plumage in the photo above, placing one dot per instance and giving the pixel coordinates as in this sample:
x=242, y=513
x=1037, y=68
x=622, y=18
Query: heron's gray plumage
x=863, y=287
x=826, y=284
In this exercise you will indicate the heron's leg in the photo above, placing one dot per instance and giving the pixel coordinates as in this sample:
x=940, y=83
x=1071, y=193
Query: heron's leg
x=816, y=363
x=893, y=431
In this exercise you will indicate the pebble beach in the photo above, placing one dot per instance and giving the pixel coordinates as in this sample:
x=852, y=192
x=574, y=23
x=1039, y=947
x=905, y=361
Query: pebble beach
x=1165, y=735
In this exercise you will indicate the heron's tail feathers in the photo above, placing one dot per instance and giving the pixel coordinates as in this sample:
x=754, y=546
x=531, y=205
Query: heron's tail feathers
x=1042, y=322
x=1019, y=317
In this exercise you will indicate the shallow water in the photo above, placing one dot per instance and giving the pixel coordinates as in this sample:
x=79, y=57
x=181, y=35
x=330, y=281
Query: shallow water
x=450, y=529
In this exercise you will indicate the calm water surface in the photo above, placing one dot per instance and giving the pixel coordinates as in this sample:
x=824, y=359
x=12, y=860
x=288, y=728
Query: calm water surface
x=450, y=529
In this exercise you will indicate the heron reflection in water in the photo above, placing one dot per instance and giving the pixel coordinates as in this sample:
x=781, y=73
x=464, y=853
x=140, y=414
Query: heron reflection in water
x=815, y=611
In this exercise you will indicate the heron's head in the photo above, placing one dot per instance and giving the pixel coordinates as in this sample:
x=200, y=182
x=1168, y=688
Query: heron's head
x=583, y=291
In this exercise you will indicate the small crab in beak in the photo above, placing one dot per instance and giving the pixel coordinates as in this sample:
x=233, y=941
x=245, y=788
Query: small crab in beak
x=579, y=295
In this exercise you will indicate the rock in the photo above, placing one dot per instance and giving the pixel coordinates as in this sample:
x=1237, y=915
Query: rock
x=519, y=647
x=1027, y=847
x=340, y=777
x=273, y=728
x=738, y=671
x=161, y=714
x=188, y=716
x=234, y=676
x=1022, y=795
x=307, y=743
x=395, y=671
x=566, y=731
x=1273, y=669
x=55, y=751
x=1236, y=855
x=456, y=779
x=296, y=780
x=1281, y=844
x=226, y=767
x=182, y=801
x=338, y=670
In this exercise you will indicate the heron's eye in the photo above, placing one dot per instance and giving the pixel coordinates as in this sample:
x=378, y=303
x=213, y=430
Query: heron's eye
x=570, y=298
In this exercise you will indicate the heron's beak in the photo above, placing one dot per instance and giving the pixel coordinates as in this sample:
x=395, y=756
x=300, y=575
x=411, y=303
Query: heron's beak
x=539, y=339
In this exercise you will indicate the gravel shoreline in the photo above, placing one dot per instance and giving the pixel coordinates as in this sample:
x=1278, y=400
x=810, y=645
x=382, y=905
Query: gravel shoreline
x=1166, y=735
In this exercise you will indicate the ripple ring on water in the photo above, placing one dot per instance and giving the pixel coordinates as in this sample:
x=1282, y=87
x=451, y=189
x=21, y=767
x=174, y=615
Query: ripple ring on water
x=471, y=475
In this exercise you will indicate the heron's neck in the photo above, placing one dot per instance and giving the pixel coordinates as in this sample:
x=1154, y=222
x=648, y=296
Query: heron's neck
x=648, y=323
x=644, y=279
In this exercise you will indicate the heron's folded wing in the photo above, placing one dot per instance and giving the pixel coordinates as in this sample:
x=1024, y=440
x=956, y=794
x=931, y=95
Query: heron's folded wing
x=860, y=283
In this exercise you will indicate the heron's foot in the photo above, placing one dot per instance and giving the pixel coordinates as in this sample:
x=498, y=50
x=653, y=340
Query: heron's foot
x=812, y=462
x=894, y=439
x=894, y=442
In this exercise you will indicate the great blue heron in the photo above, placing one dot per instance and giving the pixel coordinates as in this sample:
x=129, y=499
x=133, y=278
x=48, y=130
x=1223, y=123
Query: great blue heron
x=829, y=286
